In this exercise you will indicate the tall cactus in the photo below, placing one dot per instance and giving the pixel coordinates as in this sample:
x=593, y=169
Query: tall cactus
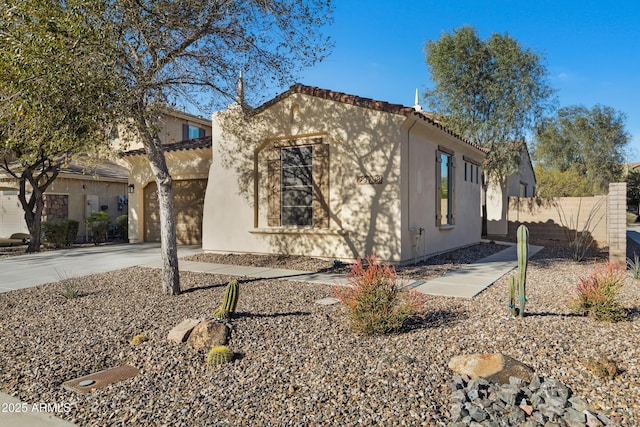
x=228, y=306
x=512, y=295
x=523, y=261
x=521, y=281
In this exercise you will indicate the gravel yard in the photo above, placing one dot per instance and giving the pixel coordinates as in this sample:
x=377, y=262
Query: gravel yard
x=298, y=363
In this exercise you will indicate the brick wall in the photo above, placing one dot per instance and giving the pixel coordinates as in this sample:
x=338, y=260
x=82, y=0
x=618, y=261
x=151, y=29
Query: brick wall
x=556, y=221
x=617, y=221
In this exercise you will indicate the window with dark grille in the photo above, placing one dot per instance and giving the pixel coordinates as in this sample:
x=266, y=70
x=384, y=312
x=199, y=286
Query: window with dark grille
x=297, y=185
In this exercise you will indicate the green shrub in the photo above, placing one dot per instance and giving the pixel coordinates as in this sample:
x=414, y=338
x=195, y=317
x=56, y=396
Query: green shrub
x=122, y=224
x=98, y=226
x=70, y=285
x=59, y=233
x=597, y=294
x=374, y=301
x=73, y=227
x=634, y=266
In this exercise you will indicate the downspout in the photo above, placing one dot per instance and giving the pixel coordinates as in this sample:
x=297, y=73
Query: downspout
x=411, y=229
x=255, y=188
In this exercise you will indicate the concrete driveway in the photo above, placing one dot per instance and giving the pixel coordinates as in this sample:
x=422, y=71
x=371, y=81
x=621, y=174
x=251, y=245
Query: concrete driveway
x=25, y=271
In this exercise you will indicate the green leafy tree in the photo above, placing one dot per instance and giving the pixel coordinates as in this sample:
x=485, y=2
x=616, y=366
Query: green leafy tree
x=190, y=50
x=591, y=142
x=490, y=92
x=57, y=95
x=552, y=182
x=633, y=187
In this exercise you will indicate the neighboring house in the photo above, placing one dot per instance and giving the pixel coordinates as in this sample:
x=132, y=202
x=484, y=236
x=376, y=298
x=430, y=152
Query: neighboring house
x=175, y=126
x=338, y=176
x=187, y=142
x=79, y=189
x=521, y=184
x=188, y=163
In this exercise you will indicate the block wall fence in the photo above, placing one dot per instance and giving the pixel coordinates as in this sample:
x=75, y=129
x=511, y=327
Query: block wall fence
x=554, y=222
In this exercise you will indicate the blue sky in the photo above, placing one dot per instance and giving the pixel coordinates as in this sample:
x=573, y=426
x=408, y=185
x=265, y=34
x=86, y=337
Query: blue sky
x=592, y=48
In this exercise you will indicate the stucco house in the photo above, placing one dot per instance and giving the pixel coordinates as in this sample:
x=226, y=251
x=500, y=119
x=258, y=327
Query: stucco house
x=521, y=184
x=80, y=188
x=186, y=139
x=337, y=176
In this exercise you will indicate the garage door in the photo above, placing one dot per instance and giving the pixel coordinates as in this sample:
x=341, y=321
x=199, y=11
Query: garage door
x=11, y=214
x=189, y=207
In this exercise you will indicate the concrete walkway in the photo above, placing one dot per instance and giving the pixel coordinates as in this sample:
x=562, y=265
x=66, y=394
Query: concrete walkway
x=26, y=271
x=32, y=270
x=469, y=281
x=465, y=282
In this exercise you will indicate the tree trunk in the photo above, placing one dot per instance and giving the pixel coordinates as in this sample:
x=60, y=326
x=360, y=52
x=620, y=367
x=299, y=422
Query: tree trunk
x=34, y=207
x=34, y=221
x=169, y=246
x=168, y=241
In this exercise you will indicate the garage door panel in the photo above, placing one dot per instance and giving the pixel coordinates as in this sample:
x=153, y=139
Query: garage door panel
x=188, y=205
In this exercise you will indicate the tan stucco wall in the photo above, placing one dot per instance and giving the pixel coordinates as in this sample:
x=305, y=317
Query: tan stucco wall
x=79, y=190
x=183, y=164
x=498, y=199
x=364, y=218
x=170, y=130
x=420, y=212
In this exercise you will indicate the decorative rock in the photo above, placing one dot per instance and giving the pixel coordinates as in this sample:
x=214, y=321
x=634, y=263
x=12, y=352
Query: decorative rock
x=516, y=416
x=578, y=403
x=477, y=413
x=516, y=404
x=181, y=332
x=534, y=384
x=528, y=409
x=477, y=365
x=574, y=418
x=495, y=367
x=209, y=334
x=592, y=420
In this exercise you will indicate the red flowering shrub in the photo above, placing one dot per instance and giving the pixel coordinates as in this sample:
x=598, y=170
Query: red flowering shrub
x=597, y=294
x=374, y=301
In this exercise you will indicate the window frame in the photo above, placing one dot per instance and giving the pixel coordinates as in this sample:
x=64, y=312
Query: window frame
x=443, y=153
x=320, y=179
x=186, y=131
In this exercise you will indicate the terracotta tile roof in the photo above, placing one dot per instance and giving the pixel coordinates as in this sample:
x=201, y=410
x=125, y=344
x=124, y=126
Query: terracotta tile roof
x=188, y=144
x=105, y=169
x=364, y=103
x=87, y=168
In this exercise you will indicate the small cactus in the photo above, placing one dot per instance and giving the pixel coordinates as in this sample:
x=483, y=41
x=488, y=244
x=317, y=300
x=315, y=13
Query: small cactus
x=139, y=339
x=228, y=306
x=219, y=354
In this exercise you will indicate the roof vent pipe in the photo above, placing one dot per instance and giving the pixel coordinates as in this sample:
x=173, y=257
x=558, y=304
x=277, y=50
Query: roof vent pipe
x=417, y=106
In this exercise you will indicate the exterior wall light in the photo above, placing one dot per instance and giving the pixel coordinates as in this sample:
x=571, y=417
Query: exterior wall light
x=130, y=188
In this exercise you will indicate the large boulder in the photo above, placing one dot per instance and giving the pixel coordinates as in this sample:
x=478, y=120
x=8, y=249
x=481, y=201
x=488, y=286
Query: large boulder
x=181, y=332
x=494, y=367
x=207, y=334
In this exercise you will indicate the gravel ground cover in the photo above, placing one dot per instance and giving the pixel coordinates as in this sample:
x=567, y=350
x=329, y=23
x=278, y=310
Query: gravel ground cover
x=297, y=362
